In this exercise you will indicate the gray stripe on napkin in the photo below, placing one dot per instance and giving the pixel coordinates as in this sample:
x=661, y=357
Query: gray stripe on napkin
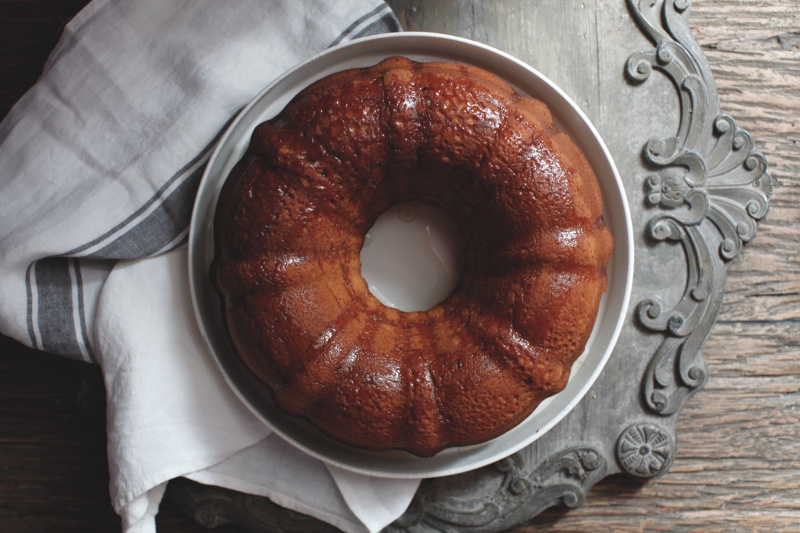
x=55, y=309
x=60, y=293
x=58, y=279
x=159, y=228
x=54, y=285
x=167, y=220
x=56, y=331
x=83, y=332
x=387, y=23
x=354, y=30
x=61, y=308
x=125, y=225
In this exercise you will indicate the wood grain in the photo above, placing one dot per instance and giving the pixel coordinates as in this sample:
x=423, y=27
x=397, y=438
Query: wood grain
x=738, y=464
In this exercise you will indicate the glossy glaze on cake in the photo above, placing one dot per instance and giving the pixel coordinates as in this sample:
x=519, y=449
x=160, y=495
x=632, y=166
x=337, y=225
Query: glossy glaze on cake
x=291, y=221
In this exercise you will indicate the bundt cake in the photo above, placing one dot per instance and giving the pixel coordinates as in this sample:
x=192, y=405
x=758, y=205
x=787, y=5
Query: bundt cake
x=290, y=223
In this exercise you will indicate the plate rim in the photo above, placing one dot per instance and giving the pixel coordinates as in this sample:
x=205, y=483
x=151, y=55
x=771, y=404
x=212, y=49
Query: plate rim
x=419, y=40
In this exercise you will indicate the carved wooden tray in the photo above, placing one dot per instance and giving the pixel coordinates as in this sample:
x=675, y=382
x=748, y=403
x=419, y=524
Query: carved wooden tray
x=697, y=187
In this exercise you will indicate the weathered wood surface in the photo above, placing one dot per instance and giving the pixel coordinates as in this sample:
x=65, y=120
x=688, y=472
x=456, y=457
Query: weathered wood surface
x=738, y=463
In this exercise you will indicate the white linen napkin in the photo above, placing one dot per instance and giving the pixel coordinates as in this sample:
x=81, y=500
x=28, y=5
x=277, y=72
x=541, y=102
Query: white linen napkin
x=99, y=165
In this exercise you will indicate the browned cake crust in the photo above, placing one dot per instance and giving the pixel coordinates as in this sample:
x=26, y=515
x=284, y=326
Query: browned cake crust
x=291, y=222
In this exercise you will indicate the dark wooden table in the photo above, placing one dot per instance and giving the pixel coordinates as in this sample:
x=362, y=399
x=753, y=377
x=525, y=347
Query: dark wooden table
x=738, y=464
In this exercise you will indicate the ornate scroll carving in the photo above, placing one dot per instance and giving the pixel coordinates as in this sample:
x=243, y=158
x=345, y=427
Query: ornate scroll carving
x=520, y=491
x=709, y=189
x=213, y=506
x=645, y=450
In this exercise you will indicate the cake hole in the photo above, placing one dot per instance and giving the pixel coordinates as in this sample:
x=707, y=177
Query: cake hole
x=412, y=257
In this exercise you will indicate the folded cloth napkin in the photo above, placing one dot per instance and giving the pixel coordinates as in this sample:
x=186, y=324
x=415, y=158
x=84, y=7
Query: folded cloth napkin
x=99, y=165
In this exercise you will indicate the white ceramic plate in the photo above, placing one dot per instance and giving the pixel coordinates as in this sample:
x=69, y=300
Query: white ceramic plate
x=419, y=47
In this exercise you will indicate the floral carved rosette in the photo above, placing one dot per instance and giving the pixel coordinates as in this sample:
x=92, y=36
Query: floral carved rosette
x=709, y=189
x=645, y=450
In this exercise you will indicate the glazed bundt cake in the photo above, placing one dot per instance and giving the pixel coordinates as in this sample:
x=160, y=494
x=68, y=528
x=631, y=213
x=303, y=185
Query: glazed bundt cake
x=291, y=220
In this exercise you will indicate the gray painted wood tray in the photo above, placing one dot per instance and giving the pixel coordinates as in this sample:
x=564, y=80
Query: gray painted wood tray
x=697, y=187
